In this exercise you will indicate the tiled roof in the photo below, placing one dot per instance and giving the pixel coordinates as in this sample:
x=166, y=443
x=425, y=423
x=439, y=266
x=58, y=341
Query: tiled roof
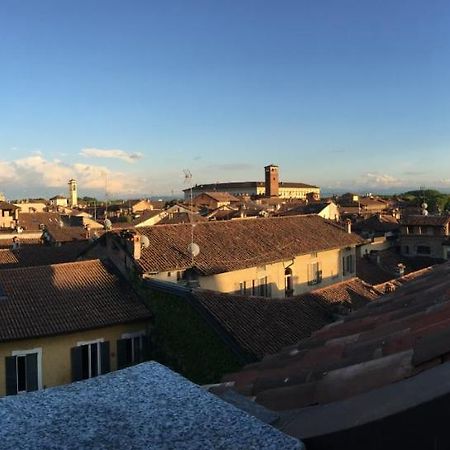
x=262, y=326
x=147, y=214
x=40, y=255
x=69, y=234
x=7, y=206
x=64, y=298
x=310, y=208
x=378, y=223
x=222, y=196
x=237, y=244
x=181, y=217
x=425, y=220
x=33, y=221
x=398, y=336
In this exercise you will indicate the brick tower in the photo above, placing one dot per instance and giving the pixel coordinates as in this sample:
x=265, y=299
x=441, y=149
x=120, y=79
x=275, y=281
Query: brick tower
x=272, y=180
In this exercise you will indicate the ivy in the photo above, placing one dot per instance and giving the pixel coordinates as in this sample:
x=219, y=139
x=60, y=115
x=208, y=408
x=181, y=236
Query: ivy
x=183, y=341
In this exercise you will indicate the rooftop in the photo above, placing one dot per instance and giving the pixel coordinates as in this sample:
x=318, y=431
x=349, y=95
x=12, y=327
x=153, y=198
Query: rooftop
x=262, y=325
x=399, y=336
x=142, y=407
x=425, y=220
x=29, y=255
x=64, y=298
x=237, y=244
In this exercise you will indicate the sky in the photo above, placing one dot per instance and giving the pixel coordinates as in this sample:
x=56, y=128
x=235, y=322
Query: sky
x=125, y=95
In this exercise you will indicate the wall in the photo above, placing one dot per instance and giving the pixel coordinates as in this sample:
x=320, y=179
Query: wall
x=56, y=363
x=434, y=242
x=331, y=265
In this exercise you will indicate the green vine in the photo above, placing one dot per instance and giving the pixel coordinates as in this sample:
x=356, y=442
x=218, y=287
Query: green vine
x=183, y=341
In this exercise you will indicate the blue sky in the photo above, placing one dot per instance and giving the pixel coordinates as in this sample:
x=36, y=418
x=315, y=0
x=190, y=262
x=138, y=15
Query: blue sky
x=344, y=94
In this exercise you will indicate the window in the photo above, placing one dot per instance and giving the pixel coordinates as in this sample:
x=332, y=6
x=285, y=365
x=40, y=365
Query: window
x=90, y=359
x=288, y=283
x=423, y=250
x=259, y=287
x=406, y=249
x=23, y=371
x=132, y=349
x=314, y=273
x=347, y=265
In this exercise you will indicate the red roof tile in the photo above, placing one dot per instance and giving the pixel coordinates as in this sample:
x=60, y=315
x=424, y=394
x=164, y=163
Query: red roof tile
x=64, y=298
x=237, y=244
x=398, y=336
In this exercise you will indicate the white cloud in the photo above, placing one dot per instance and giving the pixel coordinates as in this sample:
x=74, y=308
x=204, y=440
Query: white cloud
x=380, y=180
x=37, y=173
x=110, y=153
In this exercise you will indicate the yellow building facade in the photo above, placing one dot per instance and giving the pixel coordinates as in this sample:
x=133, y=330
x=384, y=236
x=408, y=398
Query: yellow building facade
x=53, y=353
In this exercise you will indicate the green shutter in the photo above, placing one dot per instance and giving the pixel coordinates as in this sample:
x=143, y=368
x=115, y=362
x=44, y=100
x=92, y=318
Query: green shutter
x=104, y=357
x=77, y=365
x=146, y=348
x=11, y=375
x=122, y=353
x=32, y=372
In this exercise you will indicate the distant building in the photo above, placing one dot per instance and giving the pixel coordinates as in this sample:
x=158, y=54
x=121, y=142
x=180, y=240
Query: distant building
x=58, y=200
x=271, y=187
x=214, y=200
x=73, y=193
x=8, y=214
x=425, y=236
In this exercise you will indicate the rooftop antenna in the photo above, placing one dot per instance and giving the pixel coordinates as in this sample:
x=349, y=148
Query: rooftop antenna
x=193, y=248
x=106, y=194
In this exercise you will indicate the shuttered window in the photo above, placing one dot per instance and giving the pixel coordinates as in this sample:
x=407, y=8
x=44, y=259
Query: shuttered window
x=132, y=349
x=23, y=372
x=90, y=359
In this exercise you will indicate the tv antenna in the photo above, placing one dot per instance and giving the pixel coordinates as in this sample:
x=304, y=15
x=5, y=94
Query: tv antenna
x=193, y=248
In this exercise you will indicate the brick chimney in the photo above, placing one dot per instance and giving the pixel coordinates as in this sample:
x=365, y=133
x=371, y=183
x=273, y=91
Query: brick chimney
x=271, y=180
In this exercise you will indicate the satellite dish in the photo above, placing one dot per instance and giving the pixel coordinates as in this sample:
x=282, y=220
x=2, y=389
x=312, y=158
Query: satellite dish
x=145, y=242
x=424, y=205
x=194, y=249
x=108, y=224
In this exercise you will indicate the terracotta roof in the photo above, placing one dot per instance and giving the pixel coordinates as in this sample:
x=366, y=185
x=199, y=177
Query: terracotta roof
x=181, y=217
x=398, y=336
x=147, y=214
x=310, y=208
x=69, y=234
x=64, y=298
x=33, y=221
x=39, y=255
x=378, y=223
x=425, y=220
x=222, y=196
x=237, y=244
x=7, y=206
x=262, y=325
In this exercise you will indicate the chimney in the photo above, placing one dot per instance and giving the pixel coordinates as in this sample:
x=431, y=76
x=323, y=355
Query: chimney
x=348, y=226
x=133, y=242
x=271, y=180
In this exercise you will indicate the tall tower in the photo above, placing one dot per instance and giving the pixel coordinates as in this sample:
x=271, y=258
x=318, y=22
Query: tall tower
x=272, y=180
x=73, y=193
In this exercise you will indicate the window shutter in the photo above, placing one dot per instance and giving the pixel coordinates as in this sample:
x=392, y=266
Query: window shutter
x=32, y=372
x=77, y=367
x=104, y=357
x=11, y=375
x=121, y=353
x=146, y=348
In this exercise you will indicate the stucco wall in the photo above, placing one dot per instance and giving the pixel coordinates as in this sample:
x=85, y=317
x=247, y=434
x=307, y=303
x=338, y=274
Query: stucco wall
x=331, y=266
x=56, y=363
